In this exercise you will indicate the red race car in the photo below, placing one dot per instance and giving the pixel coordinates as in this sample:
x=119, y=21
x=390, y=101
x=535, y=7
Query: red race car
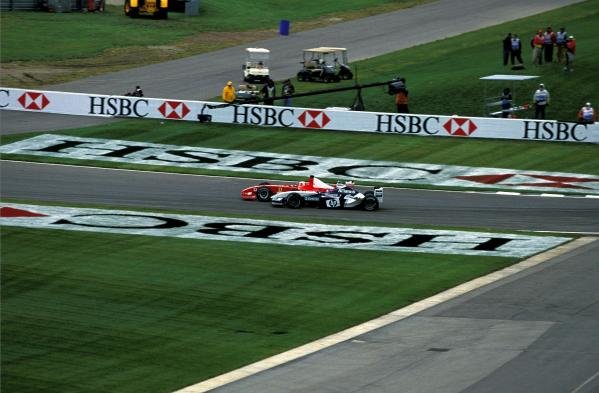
x=263, y=191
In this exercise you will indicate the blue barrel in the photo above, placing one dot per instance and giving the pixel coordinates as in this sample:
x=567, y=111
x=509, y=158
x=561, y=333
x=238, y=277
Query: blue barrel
x=284, y=27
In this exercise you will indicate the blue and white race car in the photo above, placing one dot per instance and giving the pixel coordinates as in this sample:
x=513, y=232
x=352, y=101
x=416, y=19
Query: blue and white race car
x=340, y=196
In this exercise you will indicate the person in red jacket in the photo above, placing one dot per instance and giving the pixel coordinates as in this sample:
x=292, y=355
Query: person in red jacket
x=537, y=48
x=570, y=53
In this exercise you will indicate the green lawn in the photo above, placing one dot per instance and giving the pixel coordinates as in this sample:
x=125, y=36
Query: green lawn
x=99, y=312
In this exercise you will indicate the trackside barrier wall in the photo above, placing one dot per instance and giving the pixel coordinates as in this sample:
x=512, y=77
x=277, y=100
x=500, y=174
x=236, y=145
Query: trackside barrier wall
x=263, y=115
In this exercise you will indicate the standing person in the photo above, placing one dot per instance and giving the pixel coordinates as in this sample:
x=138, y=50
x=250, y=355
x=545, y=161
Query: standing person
x=587, y=114
x=506, y=103
x=560, y=40
x=507, y=48
x=268, y=92
x=229, y=94
x=541, y=100
x=401, y=97
x=287, y=91
x=516, y=49
x=548, y=42
x=537, y=48
x=570, y=53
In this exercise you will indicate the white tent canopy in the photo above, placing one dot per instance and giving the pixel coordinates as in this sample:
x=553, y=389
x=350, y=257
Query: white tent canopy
x=501, y=77
x=492, y=102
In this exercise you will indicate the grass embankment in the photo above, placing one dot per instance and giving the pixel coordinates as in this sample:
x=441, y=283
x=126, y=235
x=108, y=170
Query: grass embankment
x=89, y=312
x=40, y=48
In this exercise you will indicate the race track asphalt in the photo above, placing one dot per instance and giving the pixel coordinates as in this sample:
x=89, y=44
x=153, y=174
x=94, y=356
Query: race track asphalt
x=58, y=183
x=537, y=331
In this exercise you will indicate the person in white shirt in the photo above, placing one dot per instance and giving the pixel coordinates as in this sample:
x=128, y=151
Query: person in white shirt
x=541, y=100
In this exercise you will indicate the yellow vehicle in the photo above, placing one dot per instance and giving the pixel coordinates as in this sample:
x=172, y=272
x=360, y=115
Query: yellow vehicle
x=156, y=8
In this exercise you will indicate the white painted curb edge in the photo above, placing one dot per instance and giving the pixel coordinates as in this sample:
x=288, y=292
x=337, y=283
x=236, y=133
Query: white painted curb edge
x=379, y=322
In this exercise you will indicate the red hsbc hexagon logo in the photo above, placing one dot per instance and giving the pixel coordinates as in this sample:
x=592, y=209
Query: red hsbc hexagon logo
x=313, y=119
x=33, y=100
x=460, y=126
x=174, y=109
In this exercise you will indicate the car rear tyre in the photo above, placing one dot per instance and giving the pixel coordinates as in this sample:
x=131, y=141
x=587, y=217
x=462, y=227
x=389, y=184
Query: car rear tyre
x=294, y=201
x=263, y=194
x=370, y=203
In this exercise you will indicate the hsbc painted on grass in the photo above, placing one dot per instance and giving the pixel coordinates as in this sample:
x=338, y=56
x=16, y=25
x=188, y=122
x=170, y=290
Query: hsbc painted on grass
x=300, y=166
x=276, y=232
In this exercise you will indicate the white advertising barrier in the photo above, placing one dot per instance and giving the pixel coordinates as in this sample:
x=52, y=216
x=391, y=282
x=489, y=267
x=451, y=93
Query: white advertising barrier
x=375, y=122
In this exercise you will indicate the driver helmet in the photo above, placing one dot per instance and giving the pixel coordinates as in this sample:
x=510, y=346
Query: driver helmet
x=349, y=183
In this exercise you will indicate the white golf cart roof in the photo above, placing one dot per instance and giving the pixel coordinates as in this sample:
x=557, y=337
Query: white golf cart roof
x=325, y=49
x=257, y=50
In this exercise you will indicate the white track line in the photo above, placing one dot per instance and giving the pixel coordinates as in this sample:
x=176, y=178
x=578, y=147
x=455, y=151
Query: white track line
x=384, y=320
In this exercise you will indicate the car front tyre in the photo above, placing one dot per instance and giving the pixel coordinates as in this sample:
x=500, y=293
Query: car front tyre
x=263, y=194
x=294, y=201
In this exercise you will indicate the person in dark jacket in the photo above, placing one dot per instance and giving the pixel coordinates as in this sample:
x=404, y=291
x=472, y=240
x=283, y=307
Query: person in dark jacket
x=287, y=91
x=268, y=92
x=506, y=103
x=507, y=48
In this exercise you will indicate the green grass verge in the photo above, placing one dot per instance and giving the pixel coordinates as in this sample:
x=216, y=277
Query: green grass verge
x=101, y=312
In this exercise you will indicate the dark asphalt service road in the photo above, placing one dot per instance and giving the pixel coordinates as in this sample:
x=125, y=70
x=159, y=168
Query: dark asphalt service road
x=203, y=76
x=58, y=183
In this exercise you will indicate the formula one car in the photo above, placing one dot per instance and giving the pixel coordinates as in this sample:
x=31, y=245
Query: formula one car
x=342, y=196
x=263, y=191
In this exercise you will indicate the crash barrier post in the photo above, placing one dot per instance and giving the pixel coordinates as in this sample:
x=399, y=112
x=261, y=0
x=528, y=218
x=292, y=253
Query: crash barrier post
x=284, y=27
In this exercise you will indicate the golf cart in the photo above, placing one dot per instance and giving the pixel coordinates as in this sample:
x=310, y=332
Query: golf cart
x=255, y=68
x=247, y=94
x=324, y=64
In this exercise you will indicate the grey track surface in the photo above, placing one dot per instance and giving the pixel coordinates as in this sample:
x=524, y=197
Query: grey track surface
x=203, y=76
x=537, y=331
x=214, y=194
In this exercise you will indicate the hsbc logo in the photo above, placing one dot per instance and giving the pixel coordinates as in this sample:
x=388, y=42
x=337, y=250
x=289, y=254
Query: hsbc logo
x=275, y=232
x=460, y=126
x=34, y=101
x=173, y=109
x=314, y=119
